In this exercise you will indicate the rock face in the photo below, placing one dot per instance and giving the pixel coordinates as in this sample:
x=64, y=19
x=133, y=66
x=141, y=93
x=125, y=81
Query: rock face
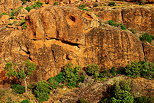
x=148, y=52
x=56, y=36
x=7, y=5
x=138, y=18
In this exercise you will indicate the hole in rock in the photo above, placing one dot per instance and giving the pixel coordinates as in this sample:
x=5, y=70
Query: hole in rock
x=72, y=18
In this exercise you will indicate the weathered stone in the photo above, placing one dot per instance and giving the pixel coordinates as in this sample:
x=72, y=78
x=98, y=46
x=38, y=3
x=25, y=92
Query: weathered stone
x=56, y=36
x=148, y=52
x=138, y=18
x=8, y=5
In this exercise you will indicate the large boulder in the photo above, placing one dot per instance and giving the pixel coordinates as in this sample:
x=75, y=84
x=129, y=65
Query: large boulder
x=137, y=18
x=57, y=35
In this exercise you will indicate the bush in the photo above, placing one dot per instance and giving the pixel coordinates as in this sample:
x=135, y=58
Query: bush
x=146, y=37
x=24, y=1
x=133, y=70
x=140, y=69
x=59, y=78
x=111, y=4
x=53, y=83
x=71, y=75
x=82, y=100
x=123, y=27
x=25, y=101
x=120, y=93
x=93, y=70
x=56, y=3
x=36, y=5
x=112, y=23
x=144, y=99
x=133, y=31
x=82, y=6
x=18, y=88
x=42, y=91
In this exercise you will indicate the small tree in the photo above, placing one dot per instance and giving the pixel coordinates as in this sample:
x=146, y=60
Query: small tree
x=20, y=71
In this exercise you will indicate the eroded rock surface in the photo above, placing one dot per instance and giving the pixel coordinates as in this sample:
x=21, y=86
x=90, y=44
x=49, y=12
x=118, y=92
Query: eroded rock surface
x=137, y=18
x=7, y=5
x=59, y=35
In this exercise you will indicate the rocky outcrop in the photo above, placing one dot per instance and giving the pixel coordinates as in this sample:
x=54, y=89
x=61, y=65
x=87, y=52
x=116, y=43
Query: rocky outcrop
x=148, y=52
x=137, y=18
x=7, y=5
x=57, y=35
x=94, y=92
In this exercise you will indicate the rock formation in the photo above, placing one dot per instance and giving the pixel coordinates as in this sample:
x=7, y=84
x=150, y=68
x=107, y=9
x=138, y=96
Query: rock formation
x=8, y=5
x=56, y=36
x=137, y=18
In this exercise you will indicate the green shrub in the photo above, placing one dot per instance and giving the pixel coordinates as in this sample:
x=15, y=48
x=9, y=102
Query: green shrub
x=28, y=8
x=82, y=6
x=18, y=88
x=25, y=101
x=82, y=100
x=71, y=75
x=133, y=31
x=120, y=93
x=36, y=5
x=133, y=69
x=113, y=71
x=42, y=91
x=140, y=69
x=24, y=1
x=56, y=3
x=111, y=4
x=112, y=23
x=93, y=70
x=59, y=78
x=146, y=37
x=144, y=99
x=53, y=83
x=123, y=27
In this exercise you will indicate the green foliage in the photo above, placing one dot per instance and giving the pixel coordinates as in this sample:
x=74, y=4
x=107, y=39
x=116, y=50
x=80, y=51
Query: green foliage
x=133, y=31
x=71, y=75
x=59, y=78
x=111, y=4
x=140, y=69
x=53, y=83
x=3, y=13
x=24, y=1
x=144, y=99
x=24, y=26
x=146, y=37
x=113, y=71
x=42, y=91
x=28, y=8
x=56, y=3
x=82, y=100
x=112, y=23
x=120, y=94
x=21, y=71
x=25, y=101
x=36, y=5
x=123, y=27
x=82, y=6
x=133, y=69
x=15, y=12
x=18, y=88
x=93, y=70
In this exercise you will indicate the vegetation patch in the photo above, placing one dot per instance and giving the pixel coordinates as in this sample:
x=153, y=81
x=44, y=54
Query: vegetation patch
x=36, y=5
x=146, y=37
